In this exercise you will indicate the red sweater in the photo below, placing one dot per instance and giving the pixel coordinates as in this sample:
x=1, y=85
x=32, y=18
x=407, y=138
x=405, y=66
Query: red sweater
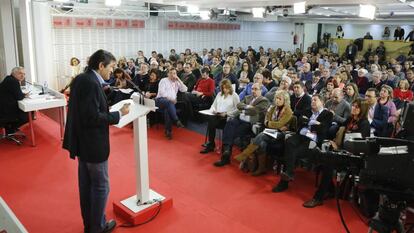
x=407, y=95
x=206, y=86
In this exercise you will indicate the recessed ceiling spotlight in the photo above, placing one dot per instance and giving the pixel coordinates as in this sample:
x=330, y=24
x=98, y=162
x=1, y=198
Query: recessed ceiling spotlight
x=367, y=11
x=299, y=7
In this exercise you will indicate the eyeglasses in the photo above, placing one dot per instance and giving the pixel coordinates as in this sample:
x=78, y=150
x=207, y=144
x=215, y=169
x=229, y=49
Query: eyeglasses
x=255, y=88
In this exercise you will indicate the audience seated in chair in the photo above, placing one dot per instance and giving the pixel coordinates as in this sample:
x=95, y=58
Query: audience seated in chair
x=167, y=98
x=224, y=105
x=277, y=117
x=378, y=114
x=202, y=95
x=258, y=78
x=315, y=128
x=226, y=74
x=340, y=110
x=356, y=123
x=250, y=110
x=10, y=94
x=188, y=77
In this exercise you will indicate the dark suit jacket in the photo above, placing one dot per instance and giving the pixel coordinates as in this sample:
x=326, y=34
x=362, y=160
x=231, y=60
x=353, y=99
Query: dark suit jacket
x=88, y=120
x=316, y=89
x=353, y=48
x=321, y=130
x=299, y=105
x=380, y=121
x=362, y=127
x=10, y=93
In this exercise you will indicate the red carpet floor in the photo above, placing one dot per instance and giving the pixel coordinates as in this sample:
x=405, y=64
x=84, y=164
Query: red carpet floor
x=40, y=185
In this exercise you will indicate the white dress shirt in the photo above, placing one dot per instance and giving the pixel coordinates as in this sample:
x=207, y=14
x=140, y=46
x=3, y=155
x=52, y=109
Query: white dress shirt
x=169, y=89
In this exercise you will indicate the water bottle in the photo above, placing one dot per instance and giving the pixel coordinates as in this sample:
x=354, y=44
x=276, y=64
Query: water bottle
x=44, y=87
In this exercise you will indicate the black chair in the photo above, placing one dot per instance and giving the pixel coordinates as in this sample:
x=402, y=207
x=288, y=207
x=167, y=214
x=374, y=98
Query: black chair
x=8, y=123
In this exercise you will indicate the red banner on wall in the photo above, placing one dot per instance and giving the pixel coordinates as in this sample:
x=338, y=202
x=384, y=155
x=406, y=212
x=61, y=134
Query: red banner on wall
x=83, y=22
x=202, y=26
x=121, y=23
x=61, y=22
x=137, y=23
x=103, y=23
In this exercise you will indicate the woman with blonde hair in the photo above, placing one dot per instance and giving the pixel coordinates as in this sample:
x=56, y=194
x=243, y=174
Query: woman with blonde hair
x=224, y=105
x=278, y=117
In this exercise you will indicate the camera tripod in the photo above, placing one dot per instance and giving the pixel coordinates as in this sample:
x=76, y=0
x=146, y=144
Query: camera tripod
x=387, y=219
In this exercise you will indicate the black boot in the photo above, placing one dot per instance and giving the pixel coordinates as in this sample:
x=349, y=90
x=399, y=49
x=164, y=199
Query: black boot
x=209, y=148
x=225, y=156
x=282, y=186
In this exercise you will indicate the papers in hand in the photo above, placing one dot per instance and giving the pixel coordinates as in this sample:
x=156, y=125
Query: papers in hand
x=272, y=133
x=207, y=112
x=125, y=91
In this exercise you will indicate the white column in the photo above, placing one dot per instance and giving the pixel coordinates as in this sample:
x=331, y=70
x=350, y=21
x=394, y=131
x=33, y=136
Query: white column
x=42, y=38
x=310, y=35
x=8, y=40
x=26, y=23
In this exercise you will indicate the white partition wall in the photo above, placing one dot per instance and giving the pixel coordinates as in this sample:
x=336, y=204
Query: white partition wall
x=80, y=43
x=8, y=40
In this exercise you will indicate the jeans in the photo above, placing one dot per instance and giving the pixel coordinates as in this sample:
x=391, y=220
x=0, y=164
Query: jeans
x=263, y=140
x=169, y=111
x=93, y=191
x=235, y=128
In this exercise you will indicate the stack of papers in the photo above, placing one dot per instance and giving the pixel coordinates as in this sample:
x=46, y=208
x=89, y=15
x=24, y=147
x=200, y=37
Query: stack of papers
x=274, y=133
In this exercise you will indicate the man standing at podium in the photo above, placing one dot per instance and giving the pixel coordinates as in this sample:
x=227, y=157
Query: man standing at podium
x=87, y=137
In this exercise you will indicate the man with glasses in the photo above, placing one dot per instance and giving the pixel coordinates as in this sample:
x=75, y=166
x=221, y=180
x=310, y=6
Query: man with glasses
x=378, y=114
x=10, y=94
x=226, y=74
x=258, y=78
x=340, y=109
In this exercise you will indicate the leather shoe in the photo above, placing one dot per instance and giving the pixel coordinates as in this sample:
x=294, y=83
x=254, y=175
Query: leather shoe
x=110, y=226
x=221, y=162
x=207, y=150
x=168, y=135
x=312, y=203
x=282, y=186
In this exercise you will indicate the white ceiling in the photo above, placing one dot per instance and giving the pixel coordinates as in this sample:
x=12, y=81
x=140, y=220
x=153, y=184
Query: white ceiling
x=317, y=10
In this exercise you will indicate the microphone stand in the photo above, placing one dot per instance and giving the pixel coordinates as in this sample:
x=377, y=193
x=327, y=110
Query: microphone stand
x=140, y=92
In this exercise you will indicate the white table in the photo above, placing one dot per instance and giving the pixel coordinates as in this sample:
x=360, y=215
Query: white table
x=52, y=104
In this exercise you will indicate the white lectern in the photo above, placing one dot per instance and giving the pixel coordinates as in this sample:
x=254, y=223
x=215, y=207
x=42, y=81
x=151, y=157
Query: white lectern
x=139, y=206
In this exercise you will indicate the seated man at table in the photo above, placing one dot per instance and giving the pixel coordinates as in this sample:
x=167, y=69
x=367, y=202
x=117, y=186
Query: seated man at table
x=10, y=93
